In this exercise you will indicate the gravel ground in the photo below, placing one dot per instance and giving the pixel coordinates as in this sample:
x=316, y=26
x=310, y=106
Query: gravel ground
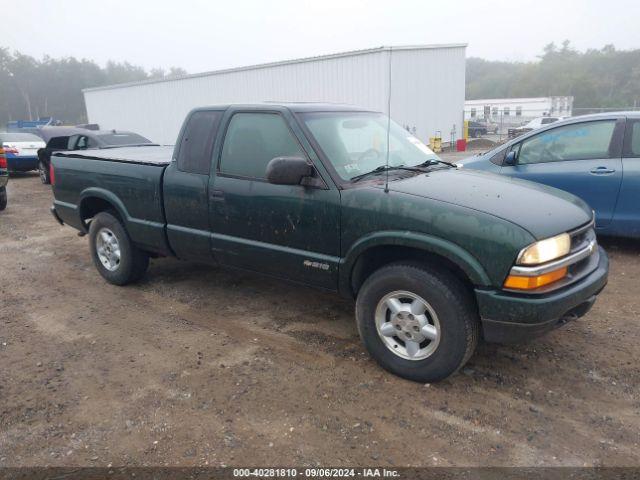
x=201, y=366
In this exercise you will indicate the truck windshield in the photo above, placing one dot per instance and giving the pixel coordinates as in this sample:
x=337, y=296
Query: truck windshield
x=356, y=142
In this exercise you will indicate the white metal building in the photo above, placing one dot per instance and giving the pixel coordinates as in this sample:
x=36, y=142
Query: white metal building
x=427, y=90
x=493, y=108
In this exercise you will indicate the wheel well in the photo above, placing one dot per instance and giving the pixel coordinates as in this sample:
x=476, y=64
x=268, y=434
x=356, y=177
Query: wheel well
x=377, y=257
x=91, y=206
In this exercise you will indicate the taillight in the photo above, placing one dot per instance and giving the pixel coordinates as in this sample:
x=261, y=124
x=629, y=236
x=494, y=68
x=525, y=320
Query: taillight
x=12, y=150
x=52, y=175
x=3, y=159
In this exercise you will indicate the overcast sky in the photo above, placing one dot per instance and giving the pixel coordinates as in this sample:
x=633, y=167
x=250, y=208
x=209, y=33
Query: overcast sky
x=201, y=35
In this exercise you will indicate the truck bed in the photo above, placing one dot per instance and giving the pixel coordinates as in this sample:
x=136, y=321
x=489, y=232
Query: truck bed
x=128, y=178
x=154, y=155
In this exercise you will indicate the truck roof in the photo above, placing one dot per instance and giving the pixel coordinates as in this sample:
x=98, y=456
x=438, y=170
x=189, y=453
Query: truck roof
x=297, y=107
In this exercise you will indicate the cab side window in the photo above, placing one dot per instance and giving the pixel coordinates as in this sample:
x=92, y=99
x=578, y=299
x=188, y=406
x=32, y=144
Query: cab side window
x=194, y=155
x=252, y=141
x=581, y=141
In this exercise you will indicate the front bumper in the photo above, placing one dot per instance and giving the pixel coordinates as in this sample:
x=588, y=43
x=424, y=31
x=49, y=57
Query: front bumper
x=22, y=164
x=510, y=318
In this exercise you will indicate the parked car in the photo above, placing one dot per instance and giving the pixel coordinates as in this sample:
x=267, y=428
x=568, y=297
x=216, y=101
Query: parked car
x=596, y=157
x=83, y=139
x=478, y=128
x=4, y=178
x=531, y=125
x=435, y=256
x=21, y=151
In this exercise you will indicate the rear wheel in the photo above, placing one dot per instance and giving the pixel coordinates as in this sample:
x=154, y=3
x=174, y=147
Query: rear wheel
x=3, y=198
x=44, y=173
x=418, y=323
x=117, y=259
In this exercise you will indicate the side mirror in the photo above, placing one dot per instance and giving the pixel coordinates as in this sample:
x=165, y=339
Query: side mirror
x=510, y=159
x=288, y=170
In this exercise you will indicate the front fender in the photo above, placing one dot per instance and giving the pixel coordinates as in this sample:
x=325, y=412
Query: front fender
x=428, y=243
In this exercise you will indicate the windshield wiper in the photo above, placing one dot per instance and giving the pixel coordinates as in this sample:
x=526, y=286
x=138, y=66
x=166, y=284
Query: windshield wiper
x=433, y=161
x=132, y=145
x=385, y=168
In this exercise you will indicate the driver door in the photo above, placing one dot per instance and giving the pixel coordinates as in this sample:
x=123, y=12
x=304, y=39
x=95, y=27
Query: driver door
x=290, y=231
x=580, y=158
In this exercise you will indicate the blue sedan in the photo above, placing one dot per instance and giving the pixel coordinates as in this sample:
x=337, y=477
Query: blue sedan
x=596, y=157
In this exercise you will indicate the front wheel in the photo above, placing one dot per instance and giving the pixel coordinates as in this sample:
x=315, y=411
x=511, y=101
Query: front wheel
x=44, y=173
x=416, y=322
x=3, y=198
x=117, y=259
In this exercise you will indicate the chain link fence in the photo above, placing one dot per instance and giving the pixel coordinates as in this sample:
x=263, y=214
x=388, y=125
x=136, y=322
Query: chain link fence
x=496, y=126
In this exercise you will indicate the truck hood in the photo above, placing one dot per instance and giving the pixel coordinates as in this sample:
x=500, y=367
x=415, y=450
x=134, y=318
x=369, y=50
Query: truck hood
x=542, y=211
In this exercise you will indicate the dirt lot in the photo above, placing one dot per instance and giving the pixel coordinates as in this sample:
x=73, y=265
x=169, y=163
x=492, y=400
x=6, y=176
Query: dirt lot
x=200, y=366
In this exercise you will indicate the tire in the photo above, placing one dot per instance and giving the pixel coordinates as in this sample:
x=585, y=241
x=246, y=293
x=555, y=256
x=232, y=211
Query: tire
x=3, y=198
x=119, y=262
x=44, y=174
x=451, y=312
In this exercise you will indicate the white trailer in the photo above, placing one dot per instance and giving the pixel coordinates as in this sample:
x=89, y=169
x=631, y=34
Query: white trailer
x=427, y=90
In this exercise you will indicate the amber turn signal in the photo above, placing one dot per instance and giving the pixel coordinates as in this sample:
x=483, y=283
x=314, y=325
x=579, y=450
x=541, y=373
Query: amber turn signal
x=517, y=282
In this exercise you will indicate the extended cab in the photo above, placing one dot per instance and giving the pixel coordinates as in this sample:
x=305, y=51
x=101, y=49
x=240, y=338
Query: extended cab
x=345, y=200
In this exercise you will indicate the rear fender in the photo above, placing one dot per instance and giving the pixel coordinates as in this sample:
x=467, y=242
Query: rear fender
x=95, y=192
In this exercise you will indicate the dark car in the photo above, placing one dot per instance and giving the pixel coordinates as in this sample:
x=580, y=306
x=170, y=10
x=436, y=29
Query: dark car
x=477, y=129
x=63, y=138
x=434, y=256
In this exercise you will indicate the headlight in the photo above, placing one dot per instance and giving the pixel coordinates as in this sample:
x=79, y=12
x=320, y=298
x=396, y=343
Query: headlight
x=545, y=250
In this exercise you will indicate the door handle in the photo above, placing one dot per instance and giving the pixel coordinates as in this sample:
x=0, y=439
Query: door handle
x=217, y=195
x=601, y=170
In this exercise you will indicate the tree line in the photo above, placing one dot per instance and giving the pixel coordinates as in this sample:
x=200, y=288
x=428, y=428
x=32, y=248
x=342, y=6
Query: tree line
x=598, y=78
x=32, y=88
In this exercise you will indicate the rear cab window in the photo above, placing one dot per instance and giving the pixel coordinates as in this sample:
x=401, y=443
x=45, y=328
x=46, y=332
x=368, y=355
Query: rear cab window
x=196, y=145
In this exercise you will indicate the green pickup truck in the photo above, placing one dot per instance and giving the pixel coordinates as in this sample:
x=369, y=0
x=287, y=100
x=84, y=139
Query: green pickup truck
x=343, y=199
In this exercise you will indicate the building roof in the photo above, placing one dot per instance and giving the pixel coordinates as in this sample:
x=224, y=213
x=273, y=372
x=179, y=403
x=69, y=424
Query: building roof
x=514, y=100
x=350, y=53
